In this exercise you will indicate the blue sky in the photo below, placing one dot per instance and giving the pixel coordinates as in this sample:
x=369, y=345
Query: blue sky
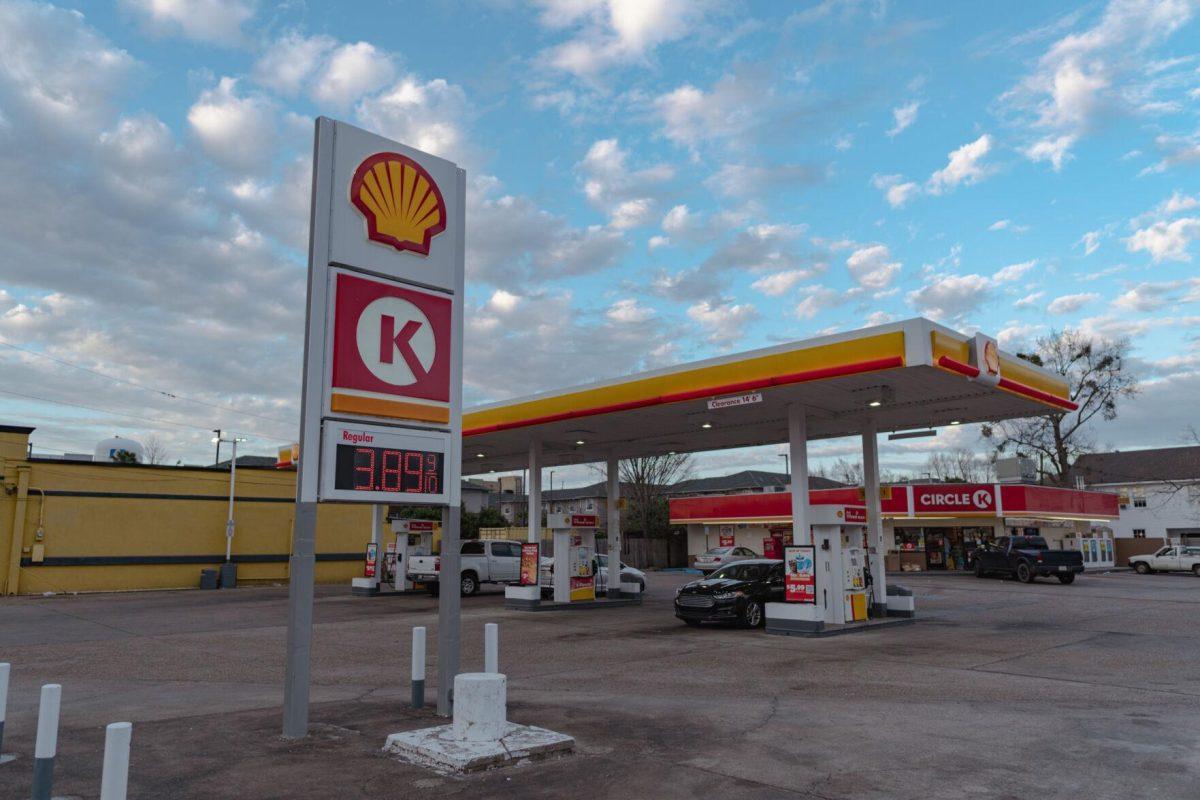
x=651, y=181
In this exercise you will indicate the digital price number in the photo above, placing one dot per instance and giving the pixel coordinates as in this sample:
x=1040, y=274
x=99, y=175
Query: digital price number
x=388, y=469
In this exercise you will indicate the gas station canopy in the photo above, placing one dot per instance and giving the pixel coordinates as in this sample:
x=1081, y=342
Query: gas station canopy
x=904, y=375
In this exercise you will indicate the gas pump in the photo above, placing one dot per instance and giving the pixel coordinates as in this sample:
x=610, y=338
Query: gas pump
x=574, y=556
x=414, y=537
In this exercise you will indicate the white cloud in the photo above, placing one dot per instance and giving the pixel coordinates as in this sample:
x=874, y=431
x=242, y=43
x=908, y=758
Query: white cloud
x=950, y=297
x=1153, y=296
x=1166, y=241
x=872, y=267
x=1175, y=150
x=1090, y=242
x=724, y=322
x=235, y=131
x=877, y=318
x=1177, y=203
x=742, y=180
x=1013, y=271
x=778, y=283
x=1029, y=300
x=429, y=115
x=655, y=242
x=503, y=301
x=351, y=71
x=964, y=165
x=897, y=190
x=733, y=111
x=817, y=299
x=1014, y=336
x=217, y=21
x=632, y=213
x=1100, y=69
x=612, y=33
x=628, y=311
x=289, y=62
x=1056, y=150
x=627, y=196
x=904, y=116
x=1008, y=225
x=1070, y=303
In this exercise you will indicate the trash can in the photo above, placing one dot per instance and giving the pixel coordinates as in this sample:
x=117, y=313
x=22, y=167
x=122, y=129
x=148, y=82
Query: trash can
x=208, y=579
x=228, y=575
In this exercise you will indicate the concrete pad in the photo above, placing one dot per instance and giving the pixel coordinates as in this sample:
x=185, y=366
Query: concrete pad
x=438, y=749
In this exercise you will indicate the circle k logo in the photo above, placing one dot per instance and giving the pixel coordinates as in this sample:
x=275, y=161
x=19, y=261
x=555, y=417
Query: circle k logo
x=943, y=500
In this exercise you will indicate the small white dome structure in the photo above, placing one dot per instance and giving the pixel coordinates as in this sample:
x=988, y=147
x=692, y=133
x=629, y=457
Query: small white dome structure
x=107, y=450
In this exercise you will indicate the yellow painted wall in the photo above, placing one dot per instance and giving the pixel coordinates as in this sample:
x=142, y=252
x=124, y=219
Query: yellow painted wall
x=137, y=510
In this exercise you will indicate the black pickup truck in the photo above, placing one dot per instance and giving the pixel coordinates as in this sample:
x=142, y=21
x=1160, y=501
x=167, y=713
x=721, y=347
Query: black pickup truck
x=1026, y=557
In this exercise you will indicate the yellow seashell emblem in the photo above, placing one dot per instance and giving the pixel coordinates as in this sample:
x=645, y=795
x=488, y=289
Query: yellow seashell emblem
x=402, y=203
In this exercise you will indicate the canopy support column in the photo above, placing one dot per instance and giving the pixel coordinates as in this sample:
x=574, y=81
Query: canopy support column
x=534, y=492
x=876, y=549
x=613, y=512
x=798, y=452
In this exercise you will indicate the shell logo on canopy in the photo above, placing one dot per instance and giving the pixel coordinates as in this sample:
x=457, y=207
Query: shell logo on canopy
x=401, y=202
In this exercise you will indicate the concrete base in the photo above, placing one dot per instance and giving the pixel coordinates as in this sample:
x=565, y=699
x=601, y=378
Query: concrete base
x=829, y=629
x=579, y=605
x=437, y=748
x=364, y=587
x=522, y=598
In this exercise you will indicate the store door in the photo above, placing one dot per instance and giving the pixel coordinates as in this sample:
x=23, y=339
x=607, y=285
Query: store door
x=935, y=549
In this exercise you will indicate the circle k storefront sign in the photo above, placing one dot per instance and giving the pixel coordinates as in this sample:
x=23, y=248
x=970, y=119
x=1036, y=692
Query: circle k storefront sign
x=391, y=350
x=927, y=499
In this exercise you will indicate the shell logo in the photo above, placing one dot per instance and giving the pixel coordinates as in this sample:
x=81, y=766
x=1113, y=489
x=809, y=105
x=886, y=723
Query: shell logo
x=991, y=358
x=401, y=202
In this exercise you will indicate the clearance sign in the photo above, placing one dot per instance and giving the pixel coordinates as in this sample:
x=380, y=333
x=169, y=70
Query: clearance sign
x=383, y=345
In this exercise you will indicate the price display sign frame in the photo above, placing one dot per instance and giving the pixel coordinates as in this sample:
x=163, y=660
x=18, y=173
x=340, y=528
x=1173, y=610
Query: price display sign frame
x=385, y=464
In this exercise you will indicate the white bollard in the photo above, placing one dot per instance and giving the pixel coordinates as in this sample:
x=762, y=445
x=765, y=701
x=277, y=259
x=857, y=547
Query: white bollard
x=5, y=667
x=491, y=647
x=114, y=783
x=480, y=711
x=418, y=668
x=47, y=741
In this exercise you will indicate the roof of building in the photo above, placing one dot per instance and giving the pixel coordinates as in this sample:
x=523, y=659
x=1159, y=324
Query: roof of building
x=250, y=461
x=1139, y=466
x=747, y=479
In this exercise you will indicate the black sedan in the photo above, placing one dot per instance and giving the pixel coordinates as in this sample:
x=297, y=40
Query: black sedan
x=734, y=593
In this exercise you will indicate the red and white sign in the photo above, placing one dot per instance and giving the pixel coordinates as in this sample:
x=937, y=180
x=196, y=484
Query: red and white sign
x=372, y=560
x=585, y=521
x=726, y=541
x=800, y=574
x=390, y=340
x=985, y=355
x=854, y=515
x=954, y=499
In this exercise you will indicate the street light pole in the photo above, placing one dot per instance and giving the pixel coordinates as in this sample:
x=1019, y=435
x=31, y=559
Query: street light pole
x=217, y=439
x=787, y=469
x=228, y=570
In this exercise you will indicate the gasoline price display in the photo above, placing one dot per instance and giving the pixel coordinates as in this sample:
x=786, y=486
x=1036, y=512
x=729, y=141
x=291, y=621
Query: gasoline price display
x=388, y=469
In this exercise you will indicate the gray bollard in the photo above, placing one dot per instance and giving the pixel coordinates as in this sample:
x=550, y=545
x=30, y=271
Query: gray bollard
x=4, y=670
x=47, y=741
x=114, y=783
x=418, y=667
x=491, y=647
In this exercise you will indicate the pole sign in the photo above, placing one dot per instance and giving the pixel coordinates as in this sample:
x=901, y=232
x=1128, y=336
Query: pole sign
x=800, y=574
x=382, y=402
x=371, y=561
x=530, y=563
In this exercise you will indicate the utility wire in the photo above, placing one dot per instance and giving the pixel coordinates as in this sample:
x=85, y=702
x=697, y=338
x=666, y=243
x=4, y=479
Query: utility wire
x=163, y=392
x=135, y=416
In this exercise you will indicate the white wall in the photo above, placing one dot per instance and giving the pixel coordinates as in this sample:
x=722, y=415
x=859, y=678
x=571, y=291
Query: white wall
x=1165, y=508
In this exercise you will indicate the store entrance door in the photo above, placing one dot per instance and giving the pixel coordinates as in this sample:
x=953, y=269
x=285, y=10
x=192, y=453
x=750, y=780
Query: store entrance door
x=935, y=549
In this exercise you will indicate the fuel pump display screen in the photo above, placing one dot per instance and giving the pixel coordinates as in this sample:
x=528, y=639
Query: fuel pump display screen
x=385, y=469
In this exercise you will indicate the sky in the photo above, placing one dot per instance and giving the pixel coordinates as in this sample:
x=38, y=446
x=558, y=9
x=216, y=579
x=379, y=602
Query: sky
x=649, y=182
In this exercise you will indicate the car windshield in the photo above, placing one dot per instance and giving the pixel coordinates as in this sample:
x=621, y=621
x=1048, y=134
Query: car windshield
x=718, y=551
x=739, y=572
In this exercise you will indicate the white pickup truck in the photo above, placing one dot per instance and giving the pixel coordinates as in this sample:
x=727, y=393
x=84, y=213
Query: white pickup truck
x=1168, y=559
x=483, y=561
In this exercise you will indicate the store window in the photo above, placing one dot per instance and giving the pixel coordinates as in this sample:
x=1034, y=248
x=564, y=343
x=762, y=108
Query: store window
x=1139, y=533
x=1139, y=501
x=909, y=540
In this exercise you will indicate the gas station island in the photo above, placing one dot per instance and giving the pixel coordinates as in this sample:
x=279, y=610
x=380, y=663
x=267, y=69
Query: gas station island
x=902, y=376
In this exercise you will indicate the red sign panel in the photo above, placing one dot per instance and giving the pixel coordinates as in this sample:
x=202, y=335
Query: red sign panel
x=855, y=515
x=530, y=561
x=726, y=541
x=585, y=520
x=954, y=499
x=800, y=574
x=391, y=339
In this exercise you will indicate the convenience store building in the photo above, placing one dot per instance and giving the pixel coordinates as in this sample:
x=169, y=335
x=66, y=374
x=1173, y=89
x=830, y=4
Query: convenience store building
x=925, y=526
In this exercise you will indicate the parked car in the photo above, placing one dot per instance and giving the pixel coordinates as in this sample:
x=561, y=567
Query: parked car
x=736, y=592
x=718, y=557
x=1026, y=557
x=1168, y=559
x=599, y=569
x=483, y=561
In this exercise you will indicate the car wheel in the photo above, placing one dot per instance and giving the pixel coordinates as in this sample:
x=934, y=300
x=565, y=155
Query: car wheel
x=1024, y=573
x=979, y=573
x=1142, y=568
x=752, y=614
x=1066, y=578
x=469, y=585
x=692, y=623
